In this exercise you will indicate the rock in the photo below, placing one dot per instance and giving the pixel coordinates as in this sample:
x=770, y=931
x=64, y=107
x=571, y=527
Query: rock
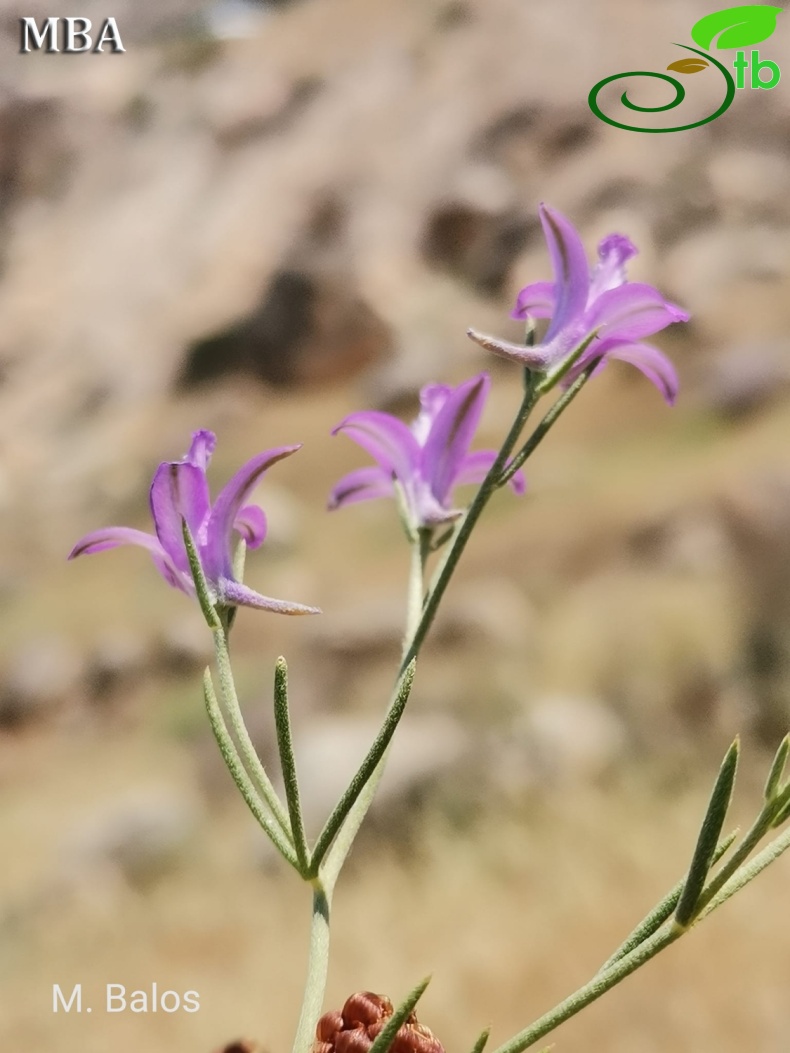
x=184, y=646
x=573, y=739
x=40, y=677
x=119, y=662
x=756, y=517
x=425, y=750
x=745, y=379
x=476, y=245
x=139, y=836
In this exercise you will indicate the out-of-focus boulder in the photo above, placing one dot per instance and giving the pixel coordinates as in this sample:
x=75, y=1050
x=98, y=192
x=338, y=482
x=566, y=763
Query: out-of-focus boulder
x=39, y=677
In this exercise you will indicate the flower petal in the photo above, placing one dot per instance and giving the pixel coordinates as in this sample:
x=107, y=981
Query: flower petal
x=538, y=300
x=614, y=251
x=451, y=435
x=476, y=466
x=179, y=490
x=364, y=484
x=631, y=312
x=234, y=594
x=655, y=365
x=217, y=556
x=432, y=398
x=203, y=444
x=112, y=537
x=251, y=524
x=387, y=439
x=571, y=270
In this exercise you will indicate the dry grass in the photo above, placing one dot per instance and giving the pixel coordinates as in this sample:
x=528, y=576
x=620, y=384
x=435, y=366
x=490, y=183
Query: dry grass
x=508, y=916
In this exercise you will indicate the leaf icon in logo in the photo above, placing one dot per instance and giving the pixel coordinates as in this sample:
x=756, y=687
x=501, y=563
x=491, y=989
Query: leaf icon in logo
x=736, y=27
x=688, y=65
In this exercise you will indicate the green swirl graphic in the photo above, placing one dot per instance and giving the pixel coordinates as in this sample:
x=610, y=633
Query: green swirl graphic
x=680, y=94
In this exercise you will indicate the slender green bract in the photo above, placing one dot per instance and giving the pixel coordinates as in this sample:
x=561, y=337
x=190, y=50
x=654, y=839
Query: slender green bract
x=386, y=1036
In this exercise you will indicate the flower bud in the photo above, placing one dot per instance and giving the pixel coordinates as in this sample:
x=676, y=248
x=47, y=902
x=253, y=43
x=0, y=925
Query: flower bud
x=361, y=1020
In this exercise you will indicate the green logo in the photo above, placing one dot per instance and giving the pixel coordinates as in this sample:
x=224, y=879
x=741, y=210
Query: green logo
x=733, y=27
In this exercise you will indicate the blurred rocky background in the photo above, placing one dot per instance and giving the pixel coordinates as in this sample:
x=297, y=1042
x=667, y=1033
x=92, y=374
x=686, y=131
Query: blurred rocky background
x=262, y=216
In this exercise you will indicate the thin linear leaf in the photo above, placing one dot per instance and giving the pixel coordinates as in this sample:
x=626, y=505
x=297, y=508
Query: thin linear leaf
x=365, y=770
x=777, y=769
x=708, y=836
x=652, y=922
x=736, y=27
x=201, y=585
x=386, y=1036
x=238, y=772
x=480, y=1045
x=688, y=65
x=282, y=720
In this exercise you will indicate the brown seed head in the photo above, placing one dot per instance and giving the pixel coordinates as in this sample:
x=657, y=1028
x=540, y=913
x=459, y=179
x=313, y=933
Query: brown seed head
x=354, y=1028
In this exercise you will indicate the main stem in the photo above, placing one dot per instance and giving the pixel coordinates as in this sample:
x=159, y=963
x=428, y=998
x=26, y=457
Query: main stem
x=317, y=968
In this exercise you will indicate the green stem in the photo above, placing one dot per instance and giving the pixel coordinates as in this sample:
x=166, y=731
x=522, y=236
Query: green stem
x=414, y=640
x=659, y=914
x=317, y=970
x=753, y=837
x=239, y=773
x=248, y=752
x=420, y=548
x=599, y=985
x=611, y=974
x=464, y=529
x=540, y=432
x=769, y=854
x=360, y=785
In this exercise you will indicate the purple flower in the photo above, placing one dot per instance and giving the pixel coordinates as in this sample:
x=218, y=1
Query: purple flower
x=179, y=491
x=600, y=306
x=426, y=459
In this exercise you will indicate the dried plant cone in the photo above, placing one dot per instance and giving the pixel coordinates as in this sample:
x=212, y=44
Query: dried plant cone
x=353, y=1029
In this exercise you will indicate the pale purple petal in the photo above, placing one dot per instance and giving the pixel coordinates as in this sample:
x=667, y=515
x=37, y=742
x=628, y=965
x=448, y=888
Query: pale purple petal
x=364, y=484
x=217, y=556
x=234, y=594
x=112, y=537
x=251, y=524
x=655, y=365
x=609, y=272
x=387, y=439
x=477, y=465
x=571, y=270
x=429, y=512
x=632, y=311
x=203, y=444
x=451, y=435
x=179, y=491
x=538, y=300
x=432, y=398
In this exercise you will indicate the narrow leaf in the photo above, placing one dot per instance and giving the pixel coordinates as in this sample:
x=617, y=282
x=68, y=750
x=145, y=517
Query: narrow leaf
x=282, y=720
x=659, y=914
x=688, y=65
x=386, y=1036
x=480, y=1045
x=201, y=585
x=239, y=773
x=777, y=769
x=708, y=836
x=736, y=27
x=365, y=770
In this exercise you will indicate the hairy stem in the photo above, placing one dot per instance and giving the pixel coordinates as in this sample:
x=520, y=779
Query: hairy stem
x=248, y=752
x=317, y=970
